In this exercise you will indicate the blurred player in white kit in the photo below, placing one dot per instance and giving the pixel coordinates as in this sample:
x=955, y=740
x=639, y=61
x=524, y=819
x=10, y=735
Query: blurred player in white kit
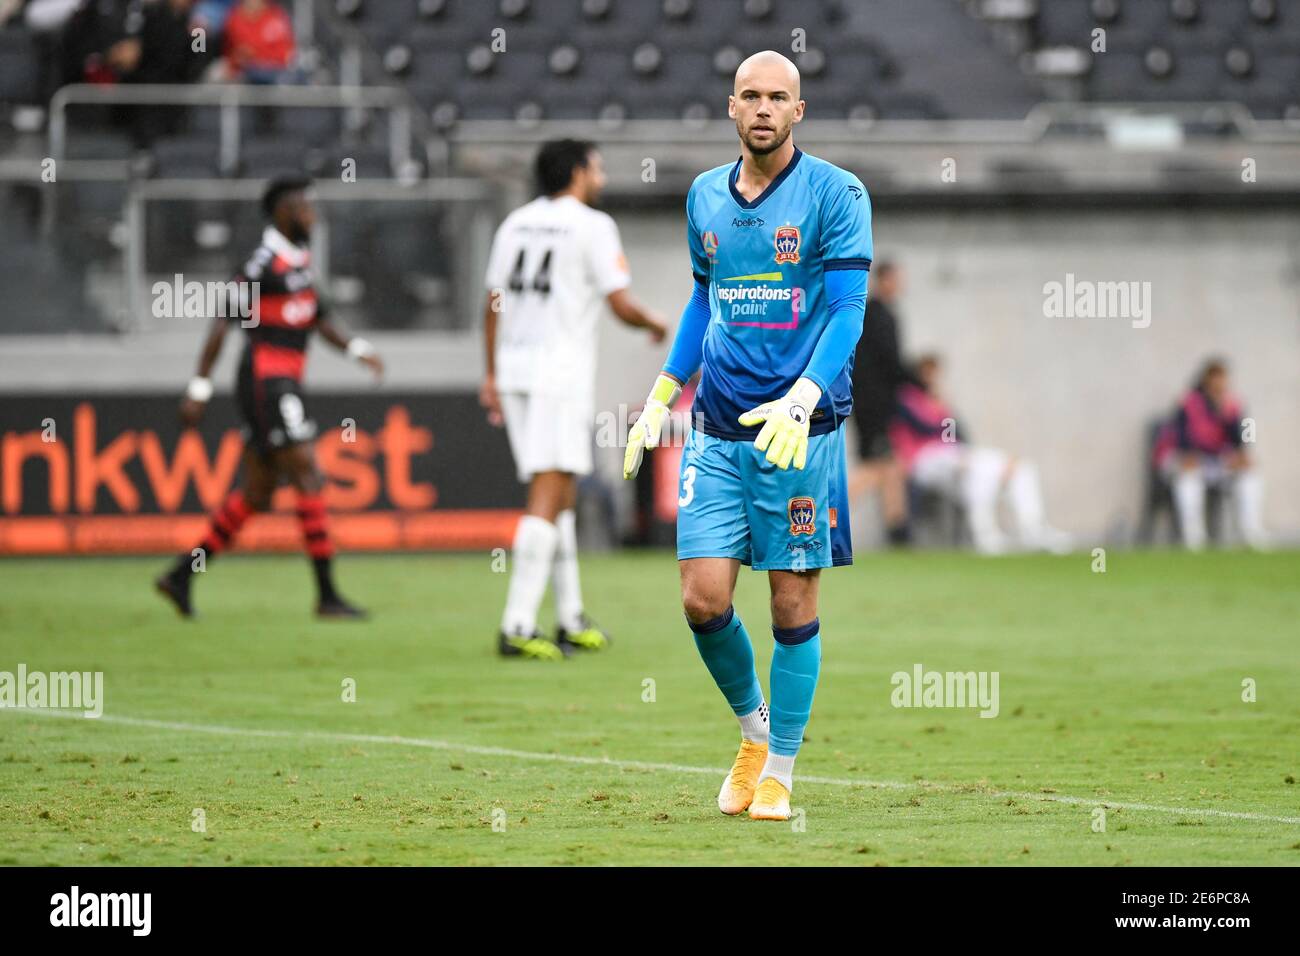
x=555, y=264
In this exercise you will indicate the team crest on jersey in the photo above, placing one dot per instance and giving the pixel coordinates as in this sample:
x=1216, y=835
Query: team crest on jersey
x=709, y=240
x=787, y=244
x=803, y=516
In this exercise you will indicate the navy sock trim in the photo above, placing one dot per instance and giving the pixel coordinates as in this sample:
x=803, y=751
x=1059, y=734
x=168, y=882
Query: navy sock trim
x=715, y=625
x=796, y=635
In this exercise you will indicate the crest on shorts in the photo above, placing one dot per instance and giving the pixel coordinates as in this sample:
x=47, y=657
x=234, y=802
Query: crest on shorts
x=787, y=244
x=803, y=516
x=709, y=240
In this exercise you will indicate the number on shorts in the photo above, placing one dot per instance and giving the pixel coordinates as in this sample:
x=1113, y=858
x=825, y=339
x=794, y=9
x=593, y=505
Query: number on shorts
x=688, y=487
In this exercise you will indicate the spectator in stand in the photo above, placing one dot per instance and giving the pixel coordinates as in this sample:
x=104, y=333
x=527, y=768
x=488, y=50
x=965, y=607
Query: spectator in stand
x=938, y=457
x=167, y=52
x=211, y=15
x=167, y=55
x=259, y=43
x=100, y=42
x=121, y=41
x=1201, y=447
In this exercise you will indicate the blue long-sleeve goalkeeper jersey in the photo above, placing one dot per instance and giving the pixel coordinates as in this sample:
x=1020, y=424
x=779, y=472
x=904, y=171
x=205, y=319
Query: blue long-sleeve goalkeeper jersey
x=770, y=268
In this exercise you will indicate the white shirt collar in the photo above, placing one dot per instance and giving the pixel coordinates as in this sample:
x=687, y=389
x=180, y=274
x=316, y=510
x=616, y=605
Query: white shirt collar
x=290, y=252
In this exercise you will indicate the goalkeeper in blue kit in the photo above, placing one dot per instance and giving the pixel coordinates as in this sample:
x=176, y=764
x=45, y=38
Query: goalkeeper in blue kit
x=780, y=247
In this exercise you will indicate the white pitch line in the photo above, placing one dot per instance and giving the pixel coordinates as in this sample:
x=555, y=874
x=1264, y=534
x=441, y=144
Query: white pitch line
x=485, y=751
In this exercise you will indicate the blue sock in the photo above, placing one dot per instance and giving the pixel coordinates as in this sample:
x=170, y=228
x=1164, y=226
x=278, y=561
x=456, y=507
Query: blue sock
x=796, y=661
x=728, y=654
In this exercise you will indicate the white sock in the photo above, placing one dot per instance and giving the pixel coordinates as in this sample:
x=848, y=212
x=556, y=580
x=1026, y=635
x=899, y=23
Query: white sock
x=753, y=726
x=1189, y=498
x=533, y=553
x=781, y=767
x=979, y=487
x=1026, y=503
x=1248, y=490
x=564, y=576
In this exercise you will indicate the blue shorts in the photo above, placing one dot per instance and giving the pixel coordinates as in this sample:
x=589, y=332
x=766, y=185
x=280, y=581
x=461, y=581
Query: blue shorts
x=731, y=503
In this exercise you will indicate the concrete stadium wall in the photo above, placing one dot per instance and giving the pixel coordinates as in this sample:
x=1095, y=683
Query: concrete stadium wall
x=1072, y=393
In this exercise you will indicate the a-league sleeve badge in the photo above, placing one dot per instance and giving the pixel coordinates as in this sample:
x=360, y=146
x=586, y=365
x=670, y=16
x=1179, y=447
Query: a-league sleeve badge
x=787, y=244
x=803, y=516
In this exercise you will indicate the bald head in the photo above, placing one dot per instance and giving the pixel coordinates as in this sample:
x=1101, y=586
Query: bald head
x=765, y=102
x=768, y=70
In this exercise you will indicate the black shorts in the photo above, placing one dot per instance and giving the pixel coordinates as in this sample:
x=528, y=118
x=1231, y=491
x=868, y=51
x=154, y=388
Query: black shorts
x=873, y=433
x=274, y=414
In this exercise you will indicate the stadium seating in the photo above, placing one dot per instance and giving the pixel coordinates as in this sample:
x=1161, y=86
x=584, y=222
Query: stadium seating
x=19, y=67
x=668, y=60
x=1183, y=50
x=617, y=60
x=633, y=60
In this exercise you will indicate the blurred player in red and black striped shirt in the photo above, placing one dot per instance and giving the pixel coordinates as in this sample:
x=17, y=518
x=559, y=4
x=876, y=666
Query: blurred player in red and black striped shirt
x=278, y=284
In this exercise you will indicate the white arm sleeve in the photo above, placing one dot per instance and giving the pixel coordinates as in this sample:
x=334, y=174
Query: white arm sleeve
x=498, y=269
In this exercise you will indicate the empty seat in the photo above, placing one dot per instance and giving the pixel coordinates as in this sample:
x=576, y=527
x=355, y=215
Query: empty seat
x=1119, y=76
x=370, y=161
x=1065, y=24
x=573, y=99
x=266, y=157
x=906, y=105
x=315, y=126
x=184, y=157
x=19, y=68
x=98, y=145
x=1274, y=80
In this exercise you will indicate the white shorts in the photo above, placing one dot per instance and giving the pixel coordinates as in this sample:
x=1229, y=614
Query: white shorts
x=1213, y=469
x=942, y=467
x=548, y=433
x=938, y=467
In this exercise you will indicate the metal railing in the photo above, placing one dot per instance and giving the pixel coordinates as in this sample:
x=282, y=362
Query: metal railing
x=475, y=198
x=229, y=99
x=1056, y=149
x=1038, y=123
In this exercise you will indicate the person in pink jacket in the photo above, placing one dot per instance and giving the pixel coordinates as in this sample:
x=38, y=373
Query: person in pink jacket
x=1203, y=446
x=937, y=455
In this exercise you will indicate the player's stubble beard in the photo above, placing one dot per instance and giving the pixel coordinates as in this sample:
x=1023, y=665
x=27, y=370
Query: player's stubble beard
x=778, y=140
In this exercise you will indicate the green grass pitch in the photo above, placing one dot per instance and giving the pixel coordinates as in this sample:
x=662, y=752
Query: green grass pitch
x=1119, y=690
